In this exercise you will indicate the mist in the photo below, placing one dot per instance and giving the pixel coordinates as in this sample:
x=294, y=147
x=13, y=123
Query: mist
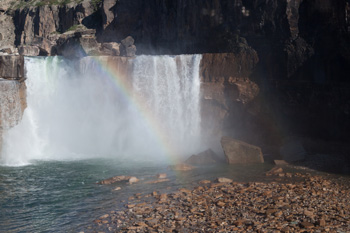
x=81, y=109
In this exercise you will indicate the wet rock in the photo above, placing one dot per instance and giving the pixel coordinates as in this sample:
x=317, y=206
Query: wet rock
x=238, y=152
x=274, y=171
x=205, y=157
x=204, y=182
x=224, y=180
x=181, y=167
x=104, y=216
x=280, y=162
x=161, y=175
x=133, y=180
x=115, y=179
x=157, y=181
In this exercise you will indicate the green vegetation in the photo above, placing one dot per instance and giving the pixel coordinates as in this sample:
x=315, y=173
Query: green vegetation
x=95, y=3
x=76, y=27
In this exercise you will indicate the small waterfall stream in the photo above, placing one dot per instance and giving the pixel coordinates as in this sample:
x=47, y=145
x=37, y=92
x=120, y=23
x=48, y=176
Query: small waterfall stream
x=82, y=109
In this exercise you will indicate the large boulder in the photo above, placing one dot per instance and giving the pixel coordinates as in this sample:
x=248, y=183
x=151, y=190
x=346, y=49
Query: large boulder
x=205, y=157
x=110, y=49
x=238, y=152
x=128, y=47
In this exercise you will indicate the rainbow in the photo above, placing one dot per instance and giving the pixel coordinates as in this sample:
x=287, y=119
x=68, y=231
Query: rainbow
x=118, y=72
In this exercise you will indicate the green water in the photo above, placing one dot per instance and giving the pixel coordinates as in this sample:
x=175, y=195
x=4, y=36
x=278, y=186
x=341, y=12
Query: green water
x=64, y=196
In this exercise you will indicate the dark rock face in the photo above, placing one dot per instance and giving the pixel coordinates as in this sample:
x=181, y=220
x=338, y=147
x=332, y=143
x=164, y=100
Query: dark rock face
x=47, y=20
x=226, y=90
x=205, y=157
x=283, y=67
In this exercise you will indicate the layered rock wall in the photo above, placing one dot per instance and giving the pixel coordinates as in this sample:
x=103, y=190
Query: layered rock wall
x=282, y=70
x=13, y=90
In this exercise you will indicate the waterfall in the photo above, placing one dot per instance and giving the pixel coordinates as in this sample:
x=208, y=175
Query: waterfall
x=85, y=109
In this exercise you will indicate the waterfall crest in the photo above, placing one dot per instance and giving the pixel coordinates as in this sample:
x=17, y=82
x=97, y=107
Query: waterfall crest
x=80, y=110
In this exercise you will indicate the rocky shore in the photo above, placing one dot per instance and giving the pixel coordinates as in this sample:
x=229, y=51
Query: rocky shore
x=291, y=203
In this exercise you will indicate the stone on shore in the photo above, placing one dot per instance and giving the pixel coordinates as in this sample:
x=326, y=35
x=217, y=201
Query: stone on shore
x=274, y=171
x=161, y=175
x=133, y=180
x=313, y=204
x=280, y=162
x=224, y=180
x=238, y=152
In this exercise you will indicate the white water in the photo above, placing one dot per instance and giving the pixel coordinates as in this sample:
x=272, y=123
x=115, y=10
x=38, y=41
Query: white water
x=76, y=111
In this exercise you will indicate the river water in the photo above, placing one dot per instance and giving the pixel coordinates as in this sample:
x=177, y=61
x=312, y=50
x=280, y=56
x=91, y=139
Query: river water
x=63, y=196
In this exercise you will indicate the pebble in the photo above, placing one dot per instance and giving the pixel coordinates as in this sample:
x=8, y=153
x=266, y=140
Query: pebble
x=133, y=180
x=311, y=204
x=224, y=180
x=161, y=175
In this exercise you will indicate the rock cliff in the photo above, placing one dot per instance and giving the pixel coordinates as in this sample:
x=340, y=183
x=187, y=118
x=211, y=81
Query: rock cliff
x=271, y=68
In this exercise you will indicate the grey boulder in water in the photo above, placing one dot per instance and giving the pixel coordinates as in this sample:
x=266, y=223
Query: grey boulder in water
x=115, y=179
x=205, y=157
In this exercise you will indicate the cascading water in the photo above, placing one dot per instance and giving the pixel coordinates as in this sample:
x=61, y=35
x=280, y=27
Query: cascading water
x=79, y=110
